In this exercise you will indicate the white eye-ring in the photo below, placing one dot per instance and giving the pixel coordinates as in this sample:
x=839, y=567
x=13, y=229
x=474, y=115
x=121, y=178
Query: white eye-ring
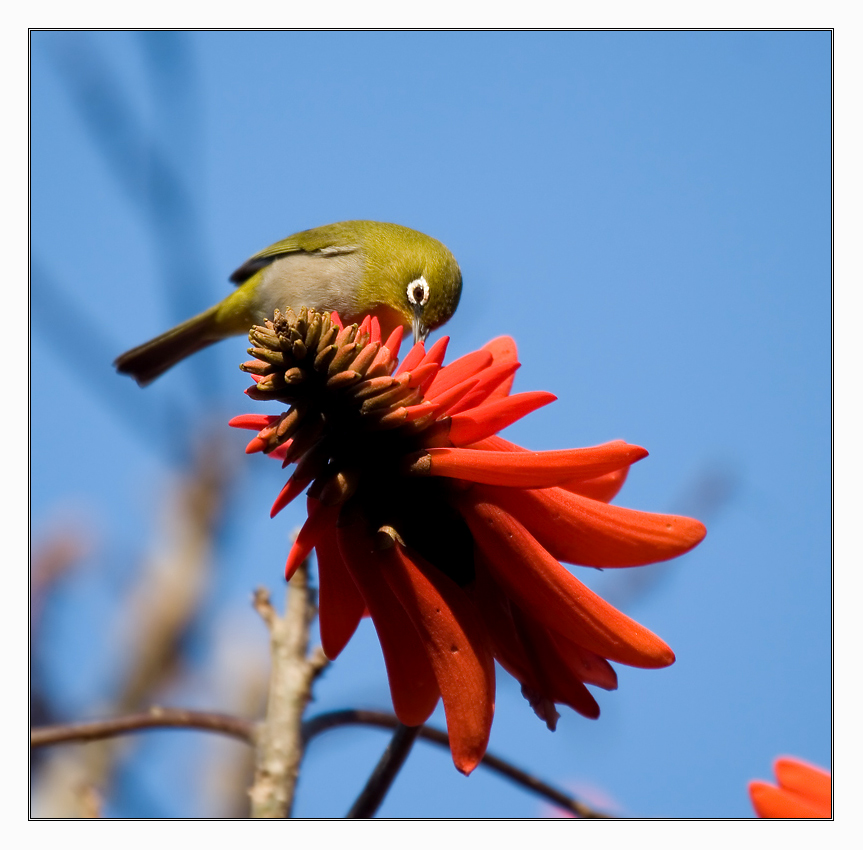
x=418, y=292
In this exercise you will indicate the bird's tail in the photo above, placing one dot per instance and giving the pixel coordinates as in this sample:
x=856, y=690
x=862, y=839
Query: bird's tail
x=146, y=362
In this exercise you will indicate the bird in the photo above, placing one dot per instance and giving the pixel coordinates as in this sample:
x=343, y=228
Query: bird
x=357, y=268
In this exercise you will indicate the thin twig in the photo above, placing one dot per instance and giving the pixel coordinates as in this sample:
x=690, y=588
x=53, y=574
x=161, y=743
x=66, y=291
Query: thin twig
x=280, y=739
x=385, y=772
x=156, y=718
x=333, y=719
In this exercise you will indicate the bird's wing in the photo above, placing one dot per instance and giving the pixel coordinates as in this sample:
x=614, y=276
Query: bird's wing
x=323, y=240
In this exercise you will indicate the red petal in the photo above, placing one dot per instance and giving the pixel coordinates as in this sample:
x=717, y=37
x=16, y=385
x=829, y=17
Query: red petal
x=336, y=320
x=422, y=373
x=281, y=452
x=490, y=379
x=804, y=779
x=413, y=686
x=289, y=492
x=590, y=668
x=519, y=651
x=489, y=418
x=531, y=469
x=602, y=489
x=448, y=399
x=450, y=629
x=496, y=611
x=375, y=330
x=435, y=356
x=320, y=519
x=593, y=534
x=504, y=351
x=552, y=595
x=340, y=604
x=418, y=411
x=252, y=421
x=498, y=444
x=310, y=466
x=560, y=683
x=413, y=358
x=394, y=342
x=437, y=352
x=365, y=326
x=459, y=370
x=256, y=444
x=771, y=802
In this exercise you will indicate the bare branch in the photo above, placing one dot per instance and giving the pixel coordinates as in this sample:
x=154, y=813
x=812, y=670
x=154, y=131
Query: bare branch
x=385, y=772
x=383, y=720
x=156, y=718
x=280, y=739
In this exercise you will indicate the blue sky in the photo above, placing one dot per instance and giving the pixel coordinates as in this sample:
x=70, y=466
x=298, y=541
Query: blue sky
x=646, y=213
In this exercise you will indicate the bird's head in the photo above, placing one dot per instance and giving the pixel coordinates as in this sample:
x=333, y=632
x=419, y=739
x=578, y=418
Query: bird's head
x=412, y=275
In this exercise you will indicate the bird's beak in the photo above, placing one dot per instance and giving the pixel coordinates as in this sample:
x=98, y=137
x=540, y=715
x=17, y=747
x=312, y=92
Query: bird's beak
x=419, y=329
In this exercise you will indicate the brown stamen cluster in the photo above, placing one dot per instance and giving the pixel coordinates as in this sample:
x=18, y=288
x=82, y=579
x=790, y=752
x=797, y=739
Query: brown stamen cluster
x=339, y=385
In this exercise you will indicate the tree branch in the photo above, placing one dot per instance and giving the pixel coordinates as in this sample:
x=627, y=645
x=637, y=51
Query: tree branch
x=280, y=739
x=383, y=720
x=385, y=772
x=170, y=718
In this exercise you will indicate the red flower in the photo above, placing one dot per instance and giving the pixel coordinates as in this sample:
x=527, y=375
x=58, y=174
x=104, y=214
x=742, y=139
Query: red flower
x=803, y=791
x=447, y=535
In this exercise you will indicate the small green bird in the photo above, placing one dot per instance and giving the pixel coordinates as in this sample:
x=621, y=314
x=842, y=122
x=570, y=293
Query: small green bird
x=399, y=275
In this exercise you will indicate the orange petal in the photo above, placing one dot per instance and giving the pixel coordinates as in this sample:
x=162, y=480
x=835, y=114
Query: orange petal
x=771, y=802
x=583, y=531
x=450, y=629
x=458, y=371
x=413, y=685
x=552, y=595
x=803, y=778
x=489, y=418
x=339, y=602
x=531, y=469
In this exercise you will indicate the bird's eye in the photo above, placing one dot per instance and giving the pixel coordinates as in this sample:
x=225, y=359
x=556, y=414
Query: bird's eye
x=418, y=292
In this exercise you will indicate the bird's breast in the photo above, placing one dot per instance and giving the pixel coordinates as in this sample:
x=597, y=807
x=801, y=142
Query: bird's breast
x=309, y=280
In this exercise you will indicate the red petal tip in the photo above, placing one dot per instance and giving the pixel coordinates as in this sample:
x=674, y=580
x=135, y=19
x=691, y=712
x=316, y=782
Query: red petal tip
x=394, y=341
x=251, y=421
x=256, y=444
